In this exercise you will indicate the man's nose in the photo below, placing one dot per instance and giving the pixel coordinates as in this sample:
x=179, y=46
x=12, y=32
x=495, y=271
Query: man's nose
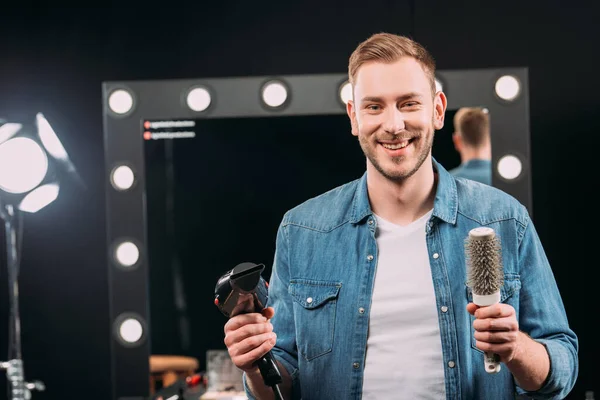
x=394, y=121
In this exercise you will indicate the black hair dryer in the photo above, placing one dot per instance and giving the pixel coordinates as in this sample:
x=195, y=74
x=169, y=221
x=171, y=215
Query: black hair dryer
x=243, y=290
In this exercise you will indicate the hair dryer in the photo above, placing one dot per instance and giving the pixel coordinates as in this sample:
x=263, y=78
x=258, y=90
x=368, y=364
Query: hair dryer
x=243, y=290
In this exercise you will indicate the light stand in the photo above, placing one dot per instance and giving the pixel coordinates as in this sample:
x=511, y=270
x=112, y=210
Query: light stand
x=32, y=160
x=20, y=390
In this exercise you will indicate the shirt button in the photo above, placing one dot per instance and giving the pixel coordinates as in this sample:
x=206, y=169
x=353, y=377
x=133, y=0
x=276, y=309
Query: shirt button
x=444, y=308
x=361, y=310
x=451, y=364
x=435, y=255
x=370, y=257
x=370, y=222
x=309, y=300
x=355, y=365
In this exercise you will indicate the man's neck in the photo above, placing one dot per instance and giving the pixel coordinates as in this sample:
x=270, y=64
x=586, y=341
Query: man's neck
x=402, y=202
x=468, y=154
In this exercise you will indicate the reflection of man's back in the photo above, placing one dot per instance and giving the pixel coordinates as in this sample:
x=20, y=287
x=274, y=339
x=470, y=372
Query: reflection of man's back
x=471, y=139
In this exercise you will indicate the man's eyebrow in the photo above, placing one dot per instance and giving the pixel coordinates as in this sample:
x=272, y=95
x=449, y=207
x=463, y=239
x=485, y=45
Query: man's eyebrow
x=376, y=99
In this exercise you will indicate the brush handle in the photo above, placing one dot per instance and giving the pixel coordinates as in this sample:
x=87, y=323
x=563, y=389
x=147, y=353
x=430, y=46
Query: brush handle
x=491, y=360
x=492, y=363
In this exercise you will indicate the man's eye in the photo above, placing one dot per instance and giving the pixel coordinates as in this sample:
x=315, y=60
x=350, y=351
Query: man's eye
x=411, y=104
x=373, y=107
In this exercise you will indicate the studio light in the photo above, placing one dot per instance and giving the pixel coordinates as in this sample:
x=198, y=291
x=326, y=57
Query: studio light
x=120, y=101
x=510, y=167
x=198, y=99
x=346, y=92
x=32, y=164
x=32, y=161
x=507, y=87
x=122, y=177
x=23, y=165
x=274, y=94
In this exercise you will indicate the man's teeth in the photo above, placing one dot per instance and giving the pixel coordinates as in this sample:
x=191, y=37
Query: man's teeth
x=395, y=146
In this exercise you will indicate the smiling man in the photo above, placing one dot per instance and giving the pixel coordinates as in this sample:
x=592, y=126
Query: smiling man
x=368, y=296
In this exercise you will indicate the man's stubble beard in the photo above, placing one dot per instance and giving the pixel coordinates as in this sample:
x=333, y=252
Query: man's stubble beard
x=399, y=176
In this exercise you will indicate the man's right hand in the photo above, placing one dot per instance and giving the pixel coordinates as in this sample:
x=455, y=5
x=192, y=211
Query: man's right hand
x=249, y=337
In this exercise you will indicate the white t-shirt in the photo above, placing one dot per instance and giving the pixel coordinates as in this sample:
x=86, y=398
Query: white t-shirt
x=404, y=351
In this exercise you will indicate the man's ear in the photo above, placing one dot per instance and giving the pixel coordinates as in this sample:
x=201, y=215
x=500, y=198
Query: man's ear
x=351, y=111
x=439, y=106
x=457, y=140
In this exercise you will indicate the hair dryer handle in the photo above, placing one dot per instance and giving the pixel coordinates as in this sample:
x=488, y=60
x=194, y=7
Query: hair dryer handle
x=268, y=370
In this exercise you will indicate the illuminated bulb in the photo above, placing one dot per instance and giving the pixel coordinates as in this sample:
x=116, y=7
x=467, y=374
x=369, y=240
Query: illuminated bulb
x=346, y=92
x=23, y=165
x=122, y=177
x=198, y=99
x=120, y=101
x=507, y=87
x=131, y=330
x=274, y=94
x=509, y=167
x=127, y=254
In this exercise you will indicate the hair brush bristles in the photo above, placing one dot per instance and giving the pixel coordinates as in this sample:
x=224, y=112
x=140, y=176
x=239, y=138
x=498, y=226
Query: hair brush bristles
x=484, y=261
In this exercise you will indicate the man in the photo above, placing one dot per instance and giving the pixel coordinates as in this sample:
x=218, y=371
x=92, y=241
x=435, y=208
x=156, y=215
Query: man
x=368, y=296
x=472, y=141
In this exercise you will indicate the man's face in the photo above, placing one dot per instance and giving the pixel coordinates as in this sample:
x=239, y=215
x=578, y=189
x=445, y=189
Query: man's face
x=394, y=116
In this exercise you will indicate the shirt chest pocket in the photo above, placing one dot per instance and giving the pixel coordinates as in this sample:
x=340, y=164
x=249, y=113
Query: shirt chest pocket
x=509, y=294
x=315, y=304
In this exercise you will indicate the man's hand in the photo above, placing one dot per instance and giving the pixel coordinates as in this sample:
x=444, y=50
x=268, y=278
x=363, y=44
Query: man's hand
x=496, y=330
x=248, y=337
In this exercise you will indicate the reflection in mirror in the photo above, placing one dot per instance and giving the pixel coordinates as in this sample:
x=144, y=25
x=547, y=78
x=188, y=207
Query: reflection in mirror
x=215, y=197
x=463, y=145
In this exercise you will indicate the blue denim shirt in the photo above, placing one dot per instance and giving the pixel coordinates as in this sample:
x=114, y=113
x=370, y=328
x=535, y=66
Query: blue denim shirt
x=322, y=282
x=476, y=170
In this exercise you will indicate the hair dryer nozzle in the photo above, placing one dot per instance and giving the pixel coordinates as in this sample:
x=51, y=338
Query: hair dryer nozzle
x=245, y=276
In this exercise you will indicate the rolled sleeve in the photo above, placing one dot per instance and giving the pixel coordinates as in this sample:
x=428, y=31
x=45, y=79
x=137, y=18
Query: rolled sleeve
x=563, y=371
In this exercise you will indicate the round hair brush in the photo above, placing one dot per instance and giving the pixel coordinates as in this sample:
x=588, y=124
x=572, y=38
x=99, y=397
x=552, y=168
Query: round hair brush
x=485, y=276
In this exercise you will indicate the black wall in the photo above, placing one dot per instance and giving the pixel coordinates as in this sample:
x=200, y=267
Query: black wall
x=53, y=59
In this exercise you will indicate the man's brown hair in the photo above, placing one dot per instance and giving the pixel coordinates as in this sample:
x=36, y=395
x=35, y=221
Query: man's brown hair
x=473, y=125
x=389, y=48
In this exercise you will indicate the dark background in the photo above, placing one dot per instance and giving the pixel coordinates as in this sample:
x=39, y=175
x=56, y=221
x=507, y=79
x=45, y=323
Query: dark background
x=54, y=58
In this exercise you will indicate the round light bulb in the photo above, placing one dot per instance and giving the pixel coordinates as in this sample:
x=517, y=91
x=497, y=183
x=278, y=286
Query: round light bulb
x=198, y=99
x=131, y=330
x=127, y=254
x=510, y=167
x=122, y=177
x=274, y=94
x=346, y=92
x=23, y=165
x=507, y=87
x=120, y=101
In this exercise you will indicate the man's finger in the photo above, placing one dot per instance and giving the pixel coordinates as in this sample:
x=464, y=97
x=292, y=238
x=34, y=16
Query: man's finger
x=268, y=312
x=497, y=310
x=248, y=358
x=251, y=343
x=471, y=308
x=246, y=331
x=243, y=319
x=495, y=324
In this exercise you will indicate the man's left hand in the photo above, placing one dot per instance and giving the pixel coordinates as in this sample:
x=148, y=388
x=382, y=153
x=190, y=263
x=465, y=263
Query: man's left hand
x=496, y=329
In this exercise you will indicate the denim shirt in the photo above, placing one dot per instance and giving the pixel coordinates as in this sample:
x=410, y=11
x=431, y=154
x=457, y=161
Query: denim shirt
x=476, y=170
x=322, y=282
